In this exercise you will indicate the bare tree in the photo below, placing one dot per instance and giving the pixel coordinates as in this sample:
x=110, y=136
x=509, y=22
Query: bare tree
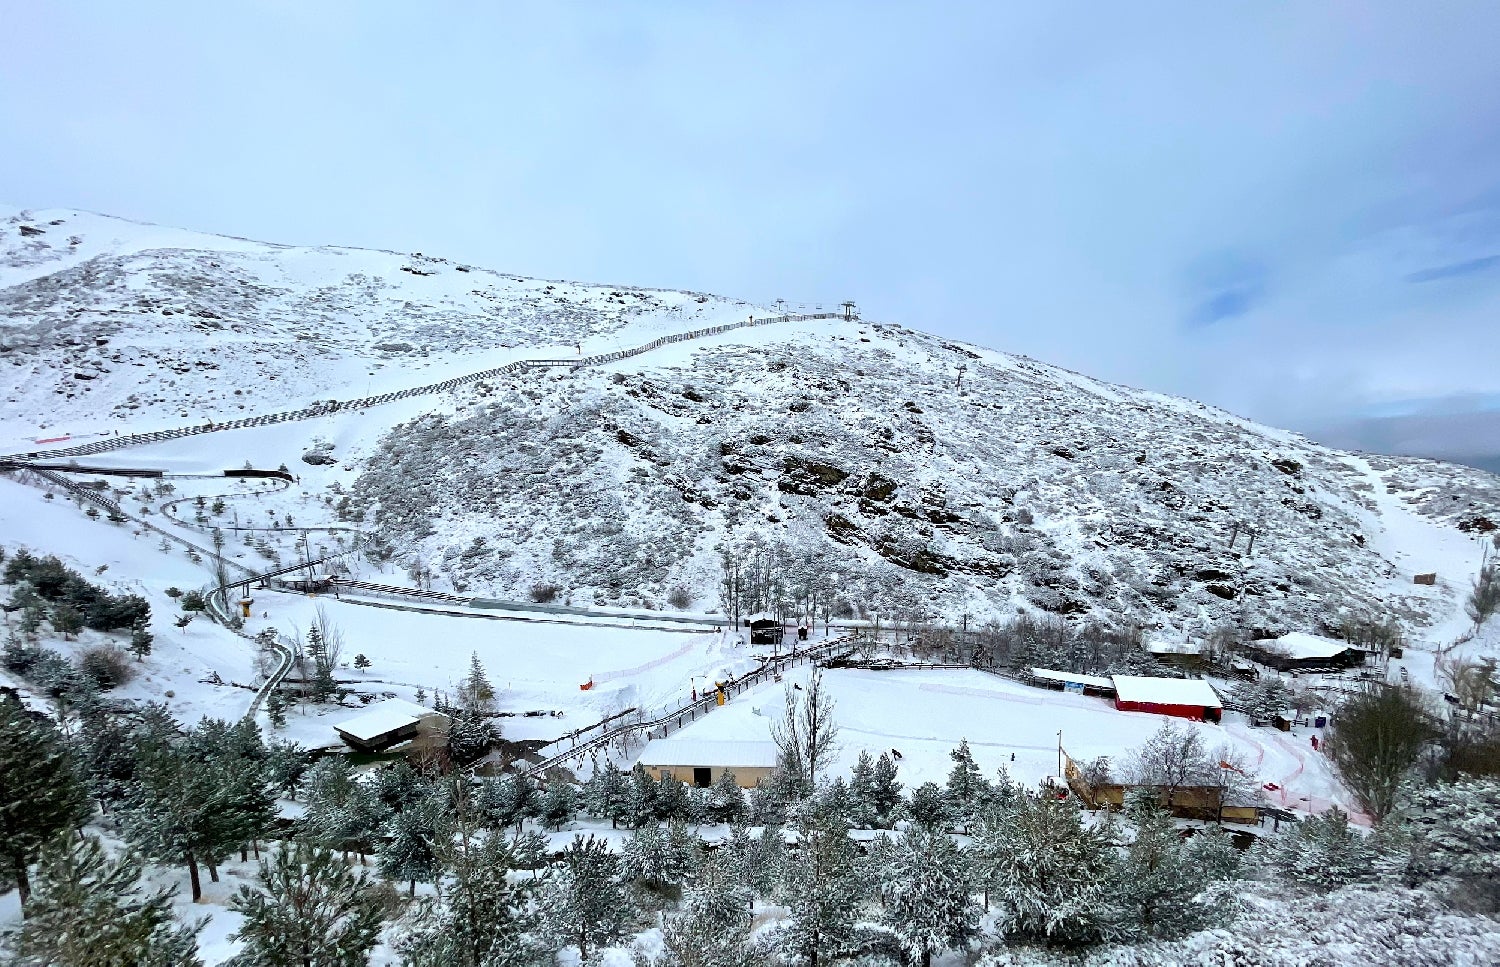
x=1171, y=760
x=806, y=733
x=1484, y=597
x=1471, y=681
x=1375, y=740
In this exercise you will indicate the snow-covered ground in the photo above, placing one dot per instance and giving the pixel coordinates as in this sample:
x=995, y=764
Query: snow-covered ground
x=924, y=714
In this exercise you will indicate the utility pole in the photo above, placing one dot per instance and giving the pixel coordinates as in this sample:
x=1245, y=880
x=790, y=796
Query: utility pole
x=1059, y=755
x=961, y=368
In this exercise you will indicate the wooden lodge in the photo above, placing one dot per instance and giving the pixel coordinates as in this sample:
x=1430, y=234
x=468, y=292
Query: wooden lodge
x=1188, y=698
x=702, y=762
x=390, y=723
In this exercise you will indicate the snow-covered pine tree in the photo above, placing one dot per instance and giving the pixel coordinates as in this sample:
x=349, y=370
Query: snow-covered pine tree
x=713, y=929
x=930, y=807
x=583, y=905
x=42, y=789
x=409, y=850
x=558, y=805
x=1455, y=839
x=140, y=641
x=475, y=692
x=768, y=863
x=660, y=859
x=89, y=910
x=642, y=802
x=607, y=795
x=886, y=792
x=864, y=814
x=276, y=709
x=672, y=799
x=1320, y=852
x=967, y=791
x=342, y=814
x=1050, y=873
x=824, y=890
x=726, y=801
x=1155, y=887
x=307, y=908
x=924, y=886
x=285, y=766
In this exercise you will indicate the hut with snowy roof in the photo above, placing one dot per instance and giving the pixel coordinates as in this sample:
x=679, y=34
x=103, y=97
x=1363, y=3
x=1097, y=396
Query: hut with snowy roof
x=1302, y=652
x=390, y=723
x=701, y=762
x=764, y=628
x=1188, y=698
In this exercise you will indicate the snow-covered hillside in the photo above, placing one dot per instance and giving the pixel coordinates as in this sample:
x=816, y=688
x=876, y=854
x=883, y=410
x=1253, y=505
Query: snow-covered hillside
x=906, y=474
x=103, y=320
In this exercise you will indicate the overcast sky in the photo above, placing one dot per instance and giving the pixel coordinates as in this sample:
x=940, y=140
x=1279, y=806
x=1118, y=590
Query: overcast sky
x=1290, y=210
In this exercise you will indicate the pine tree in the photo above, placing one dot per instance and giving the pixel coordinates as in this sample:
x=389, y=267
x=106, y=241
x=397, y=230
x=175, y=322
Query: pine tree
x=930, y=806
x=475, y=692
x=67, y=620
x=484, y=920
x=308, y=908
x=967, y=791
x=276, y=709
x=885, y=794
x=671, y=799
x=1454, y=830
x=140, y=641
x=1155, y=887
x=410, y=852
x=558, y=804
x=713, y=929
x=1049, y=872
x=42, y=790
x=864, y=813
x=1321, y=852
x=89, y=910
x=769, y=863
x=341, y=814
x=925, y=890
x=642, y=802
x=198, y=797
x=471, y=735
x=583, y=905
x=824, y=893
x=286, y=764
x=726, y=801
x=361, y=661
x=660, y=860
x=608, y=795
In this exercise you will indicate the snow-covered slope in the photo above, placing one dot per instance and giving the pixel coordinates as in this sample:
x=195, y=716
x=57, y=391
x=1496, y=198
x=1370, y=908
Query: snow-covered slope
x=907, y=474
x=103, y=319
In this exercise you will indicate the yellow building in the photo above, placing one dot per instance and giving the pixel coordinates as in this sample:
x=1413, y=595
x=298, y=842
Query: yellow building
x=700, y=762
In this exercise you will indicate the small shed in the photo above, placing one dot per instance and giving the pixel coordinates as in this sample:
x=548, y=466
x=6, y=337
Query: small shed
x=1300, y=651
x=1188, y=698
x=1088, y=684
x=1178, y=654
x=701, y=762
x=389, y=723
x=314, y=584
x=764, y=628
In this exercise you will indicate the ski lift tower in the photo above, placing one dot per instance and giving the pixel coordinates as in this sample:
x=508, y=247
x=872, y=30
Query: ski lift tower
x=849, y=314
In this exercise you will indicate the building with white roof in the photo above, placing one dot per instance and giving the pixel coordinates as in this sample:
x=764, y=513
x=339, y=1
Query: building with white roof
x=700, y=762
x=1189, y=698
x=389, y=723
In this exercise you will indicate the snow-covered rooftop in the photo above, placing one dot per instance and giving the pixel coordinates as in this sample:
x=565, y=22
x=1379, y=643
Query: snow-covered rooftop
x=709, y=752
x=1093, y=681
x=1300, y=644
x=1166, y=691
x=759, y=616
x=383, y=717
x=1174, y=648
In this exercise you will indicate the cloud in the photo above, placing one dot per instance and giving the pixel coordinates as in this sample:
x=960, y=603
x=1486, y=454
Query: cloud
x=1456, y=269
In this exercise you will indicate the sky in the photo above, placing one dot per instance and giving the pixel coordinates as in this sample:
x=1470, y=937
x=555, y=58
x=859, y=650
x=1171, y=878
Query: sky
x=1288, y=210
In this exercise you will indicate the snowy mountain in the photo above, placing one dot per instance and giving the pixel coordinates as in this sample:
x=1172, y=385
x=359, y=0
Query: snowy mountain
x=900, y=472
